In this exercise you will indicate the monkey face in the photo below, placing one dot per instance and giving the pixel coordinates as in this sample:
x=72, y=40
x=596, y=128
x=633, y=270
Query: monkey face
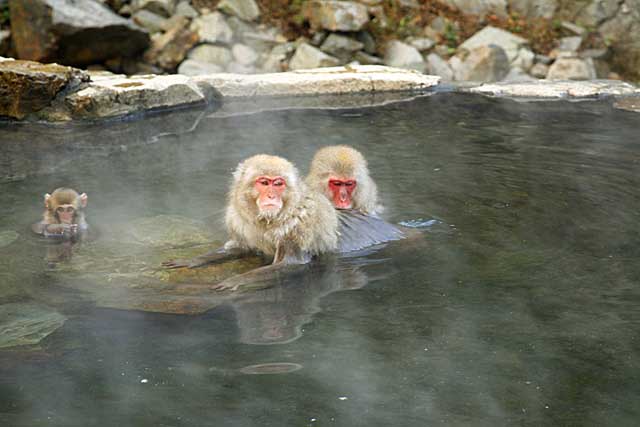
x=341, y=191
x=270, y=190
x=66, y=213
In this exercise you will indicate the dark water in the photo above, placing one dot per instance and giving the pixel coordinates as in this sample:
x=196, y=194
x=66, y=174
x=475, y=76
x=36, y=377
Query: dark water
x=518, y=306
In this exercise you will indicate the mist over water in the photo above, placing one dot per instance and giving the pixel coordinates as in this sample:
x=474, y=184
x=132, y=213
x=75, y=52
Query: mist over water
x=517, y=303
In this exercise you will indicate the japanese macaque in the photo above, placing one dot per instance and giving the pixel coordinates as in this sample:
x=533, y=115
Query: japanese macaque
x=341, y=174
x=63, y=214
x=271, y=211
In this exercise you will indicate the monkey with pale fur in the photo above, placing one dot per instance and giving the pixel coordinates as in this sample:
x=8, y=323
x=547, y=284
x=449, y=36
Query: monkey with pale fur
x=63, y=214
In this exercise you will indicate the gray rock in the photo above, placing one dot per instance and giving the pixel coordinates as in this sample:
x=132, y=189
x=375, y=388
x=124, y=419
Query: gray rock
x=27, y=87
x=238, y=68
x=212, y=28
x=161, y=7
x=318, y=38
x=524, y=60
x=336, y=15
x=307, y=56
x=569, y=44
x=623, y=34
x=594, y=53
x=239, y=26
x=211, y=54
x=149, y=20
x=575, y=29
x=185, y=9
x=439, y=67
x=421, y=43
x=243, y=9
x=534, y=8
x=629, y=103
x=480, y=7
x=516, y=74
x=368, y=41
x=402, y=55
x=597, y=11
x=539, y=70
x=171, y=48
x=244, y=55
x=73, y=32
x=191, y=67
x=556, y=89
x=509, y=42
x=27, y=323
x=572, y=69
x=341, y=47
x=543, y=59
x=275, y=60
x=484, y=64
x=366, y=59
x=5, y=42
x=262, y=40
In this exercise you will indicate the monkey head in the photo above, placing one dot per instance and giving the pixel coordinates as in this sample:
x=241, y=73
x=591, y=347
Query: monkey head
x=341, y=174
x=63, y=206
x=265, y=186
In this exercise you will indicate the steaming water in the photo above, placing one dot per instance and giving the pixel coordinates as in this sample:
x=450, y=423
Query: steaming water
x=516, y=304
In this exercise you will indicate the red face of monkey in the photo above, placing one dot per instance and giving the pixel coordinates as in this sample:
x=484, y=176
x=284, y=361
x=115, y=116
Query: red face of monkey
x=270, y=190
x=341, y=190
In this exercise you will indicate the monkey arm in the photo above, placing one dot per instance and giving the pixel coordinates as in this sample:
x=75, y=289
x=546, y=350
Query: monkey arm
x=218, y=255
x=359, y=231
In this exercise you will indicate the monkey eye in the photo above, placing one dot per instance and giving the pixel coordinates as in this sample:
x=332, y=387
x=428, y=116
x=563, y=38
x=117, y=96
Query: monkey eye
x=263, y=181
x=68, y=209
x=278, y=182
x=350, y=183
x=335, y=183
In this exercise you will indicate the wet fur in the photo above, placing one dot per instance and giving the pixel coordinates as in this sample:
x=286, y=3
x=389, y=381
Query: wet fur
x=305, y=226
x=345, y=162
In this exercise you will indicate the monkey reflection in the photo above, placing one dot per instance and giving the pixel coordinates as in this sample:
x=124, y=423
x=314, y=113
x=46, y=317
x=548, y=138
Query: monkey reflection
x=276, y=315
x=63, y=223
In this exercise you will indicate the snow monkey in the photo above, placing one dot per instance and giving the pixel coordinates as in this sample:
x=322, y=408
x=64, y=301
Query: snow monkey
x=341, y=174
x=63, y=214
x=270, y=210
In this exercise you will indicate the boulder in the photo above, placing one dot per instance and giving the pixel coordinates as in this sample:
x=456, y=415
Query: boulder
x=150, y=21
x=539, y=70
x=623, y=34
x=336, y=15
x=72, y=32
x=341, y=47
x=191, y=67
x=247, y=10
x=27, y=87
x=572, y=69
x=595, y=13
x=161, y=7
x=534, y=8
x=402, y=55
x=569, y=44
x=119, y=96
x=5, y=42
x=212, y=28
x=480, y=7
x=484, y=63
x=212, y=54
x=307, y=56
x=243, y=54
x=439, y=67
x=171, y=48
x=509, y=42
x=524, y=60
x=185, y=9
x=420, y=43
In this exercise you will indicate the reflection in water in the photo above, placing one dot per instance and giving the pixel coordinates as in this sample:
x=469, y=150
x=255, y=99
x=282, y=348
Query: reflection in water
x=519, y=308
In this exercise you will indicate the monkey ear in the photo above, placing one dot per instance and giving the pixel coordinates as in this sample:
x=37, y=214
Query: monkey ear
x=83, y=200
x=46, y=200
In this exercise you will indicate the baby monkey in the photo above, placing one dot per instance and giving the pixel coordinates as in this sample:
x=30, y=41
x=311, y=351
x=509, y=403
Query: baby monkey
x=63, y=215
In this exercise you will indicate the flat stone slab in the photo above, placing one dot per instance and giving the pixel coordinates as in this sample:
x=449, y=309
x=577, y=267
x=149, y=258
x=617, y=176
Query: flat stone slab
x=556, y=89
x=27, y=323
x=318, y=81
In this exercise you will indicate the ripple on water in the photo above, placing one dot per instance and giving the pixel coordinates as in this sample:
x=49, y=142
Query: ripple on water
x=271, y=368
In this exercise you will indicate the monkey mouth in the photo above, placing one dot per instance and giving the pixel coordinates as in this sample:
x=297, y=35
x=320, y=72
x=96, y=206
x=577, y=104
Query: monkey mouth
x=343, y=204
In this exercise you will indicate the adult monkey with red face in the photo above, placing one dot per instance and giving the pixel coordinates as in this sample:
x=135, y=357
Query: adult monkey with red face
x=271, y=211
x=63, y=214
x=342, y=175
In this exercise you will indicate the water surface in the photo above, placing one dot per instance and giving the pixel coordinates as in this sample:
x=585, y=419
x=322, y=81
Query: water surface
x=517, y=304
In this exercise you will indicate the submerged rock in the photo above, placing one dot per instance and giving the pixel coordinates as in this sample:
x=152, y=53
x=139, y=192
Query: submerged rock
x=7, y=237
x=27, y=87
x=630, y=103
x=72, y=32
x=27, y=323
